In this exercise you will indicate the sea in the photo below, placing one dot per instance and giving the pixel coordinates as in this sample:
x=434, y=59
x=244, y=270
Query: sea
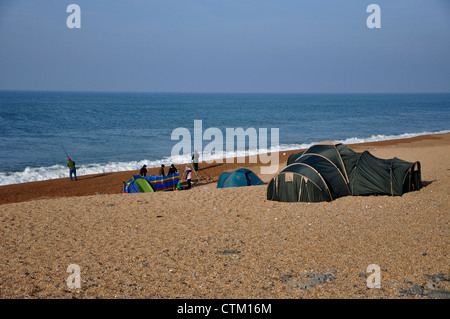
x=111, y=132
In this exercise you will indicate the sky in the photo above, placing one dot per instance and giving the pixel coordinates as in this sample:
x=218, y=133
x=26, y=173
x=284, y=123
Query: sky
x=260, y=46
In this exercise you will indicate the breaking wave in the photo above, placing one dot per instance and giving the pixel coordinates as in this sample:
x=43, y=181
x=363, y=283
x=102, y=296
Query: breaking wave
x=33, y=174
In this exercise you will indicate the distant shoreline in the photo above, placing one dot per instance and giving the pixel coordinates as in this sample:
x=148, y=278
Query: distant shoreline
x=59, y=170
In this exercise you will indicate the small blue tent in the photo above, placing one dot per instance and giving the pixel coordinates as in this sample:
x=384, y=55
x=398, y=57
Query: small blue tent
x=238, y=178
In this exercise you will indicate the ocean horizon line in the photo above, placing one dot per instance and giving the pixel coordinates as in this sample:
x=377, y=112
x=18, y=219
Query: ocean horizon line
x=219, y=92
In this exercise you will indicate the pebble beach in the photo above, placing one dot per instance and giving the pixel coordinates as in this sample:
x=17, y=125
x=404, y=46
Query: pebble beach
x=228, y=243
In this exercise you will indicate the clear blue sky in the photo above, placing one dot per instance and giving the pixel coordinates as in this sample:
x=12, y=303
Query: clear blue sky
x=304, y=46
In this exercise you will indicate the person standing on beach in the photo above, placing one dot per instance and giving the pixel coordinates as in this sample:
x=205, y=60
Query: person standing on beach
x=161, y=171
x=172, y=170
x=143, y=171
x=188, y=176
x=195, y=157
x=72, y=169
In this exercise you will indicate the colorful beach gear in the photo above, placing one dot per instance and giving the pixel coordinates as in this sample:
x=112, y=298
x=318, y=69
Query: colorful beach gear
x=147, y=184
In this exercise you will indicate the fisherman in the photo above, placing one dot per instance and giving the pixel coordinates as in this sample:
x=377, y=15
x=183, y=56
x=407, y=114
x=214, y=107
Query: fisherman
x=72, y=169
x=195, y=160
x=143, y=171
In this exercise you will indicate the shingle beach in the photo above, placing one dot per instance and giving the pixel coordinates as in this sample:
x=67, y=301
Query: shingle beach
x=228, y=243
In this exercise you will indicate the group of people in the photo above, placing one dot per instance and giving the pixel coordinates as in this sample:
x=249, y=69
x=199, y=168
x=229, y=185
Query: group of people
x=172, y=170
x=143, y=171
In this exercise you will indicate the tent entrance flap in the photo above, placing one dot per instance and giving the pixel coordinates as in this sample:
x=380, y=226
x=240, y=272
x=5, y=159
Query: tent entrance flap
x=143, y=186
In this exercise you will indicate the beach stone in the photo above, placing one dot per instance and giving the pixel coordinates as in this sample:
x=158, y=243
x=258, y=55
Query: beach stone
x=228, y=252
x=286, y=278
x=415, y=290
x=438, y=277
x=430, y=286
x=321, y=278
x=403, y=292
x=304, y=286
x=310, y=281
x=439, y=294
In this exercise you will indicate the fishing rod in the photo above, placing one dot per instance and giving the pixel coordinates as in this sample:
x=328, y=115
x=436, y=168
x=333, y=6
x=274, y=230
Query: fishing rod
x=65, y=151
x=206, y=173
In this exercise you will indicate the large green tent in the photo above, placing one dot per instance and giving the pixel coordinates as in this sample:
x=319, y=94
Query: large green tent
x=329, y=170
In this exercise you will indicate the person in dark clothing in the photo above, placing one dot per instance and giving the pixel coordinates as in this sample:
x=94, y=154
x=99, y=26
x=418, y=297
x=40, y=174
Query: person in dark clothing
x=143, y=171
x=188, y=176
x=161, y=171
x=72, y=169
x=172, y=170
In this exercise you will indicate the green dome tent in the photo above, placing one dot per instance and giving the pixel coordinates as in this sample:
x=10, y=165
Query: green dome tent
x=329, y=170
x=238, y=178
